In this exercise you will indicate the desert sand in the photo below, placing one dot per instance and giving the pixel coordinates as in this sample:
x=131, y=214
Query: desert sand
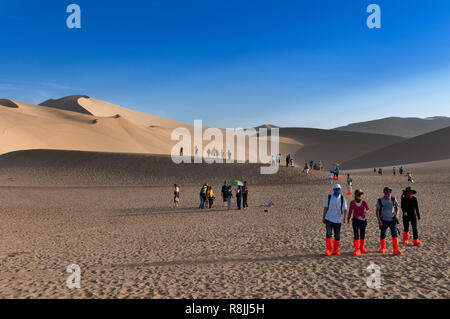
x=112, y=215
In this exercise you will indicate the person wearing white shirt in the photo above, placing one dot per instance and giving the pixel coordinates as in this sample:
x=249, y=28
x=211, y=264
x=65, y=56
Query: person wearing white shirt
x=334, y=210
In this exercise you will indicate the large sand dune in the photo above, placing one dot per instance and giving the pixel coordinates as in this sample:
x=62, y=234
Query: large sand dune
x=331, y=146
x=406, y=127
x=428, y=147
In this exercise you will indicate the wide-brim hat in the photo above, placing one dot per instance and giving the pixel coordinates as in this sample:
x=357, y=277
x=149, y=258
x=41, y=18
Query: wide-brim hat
x=409, y=189
x=387, y=190
x=359, y=192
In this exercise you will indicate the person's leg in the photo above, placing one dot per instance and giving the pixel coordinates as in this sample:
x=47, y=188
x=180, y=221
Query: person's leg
x=229, y=202
x=337, y=238
x=394, y=234
x=416, y=240
x=356, y=241
x=329, y=240
x=363, y=237
x=384, y=227
x=355, y=227
x=406, y=230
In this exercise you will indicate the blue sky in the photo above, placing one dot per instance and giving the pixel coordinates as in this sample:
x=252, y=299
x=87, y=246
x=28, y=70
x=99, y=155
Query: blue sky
x=234, y=63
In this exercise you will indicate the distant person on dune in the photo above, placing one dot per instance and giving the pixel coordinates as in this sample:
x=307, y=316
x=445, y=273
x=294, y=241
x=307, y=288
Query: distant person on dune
x=176, y=195
x=401, y=171
x=394, y=171
x=306, y=168
x=224, y=192
x=380, y=171
x=374, y=171
x=245, y=195
x=229, y=154
x=288, y=159
x=349, y=184
x=358, y=208
x=410, y=210
x=387, y=209
x=203, y=196
x=210, y=197
x=331, y=176
x=334, y=211
x=228, y=196
x=311, y=164
x=239, y=197
x=181, y=151
x=410, y=179
x=196, y=150
x=279, y=158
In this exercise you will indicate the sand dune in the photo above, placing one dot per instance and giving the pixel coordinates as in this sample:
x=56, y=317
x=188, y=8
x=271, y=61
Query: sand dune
x=8, y=103
x=81, y=123
x=428, y=147
x=331, y=146
x=36, y=127
x=406, y=127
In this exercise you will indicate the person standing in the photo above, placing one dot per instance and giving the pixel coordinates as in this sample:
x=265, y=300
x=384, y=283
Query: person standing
x=358, y=208
x=410, y=210
x=203, y=197
x=387, y=210
x=394, y=171
x=210, y=197
x=410, y=179
x=239, y=197
x=279, y=158
x=229, y=195
x=335, y=209
x=331, y=176
x=176, y=195
x=245, y=195
x=181, y=151
x=224, y=192
x=288, y=159
x=400, y=170
x=306, y=168
x=349, y=184
x=374, y=171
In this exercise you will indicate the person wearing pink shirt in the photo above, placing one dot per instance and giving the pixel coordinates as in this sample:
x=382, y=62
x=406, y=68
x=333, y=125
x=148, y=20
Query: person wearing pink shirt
x=358, y=208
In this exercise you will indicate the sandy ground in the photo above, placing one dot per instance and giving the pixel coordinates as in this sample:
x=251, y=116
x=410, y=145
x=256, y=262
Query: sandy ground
x=131, y=243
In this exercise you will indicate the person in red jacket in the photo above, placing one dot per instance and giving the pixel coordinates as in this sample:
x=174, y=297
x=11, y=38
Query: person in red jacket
x=358, y=208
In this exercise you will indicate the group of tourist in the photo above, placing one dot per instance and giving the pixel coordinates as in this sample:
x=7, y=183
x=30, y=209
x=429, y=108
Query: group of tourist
x=207, y=196
x=387, y=207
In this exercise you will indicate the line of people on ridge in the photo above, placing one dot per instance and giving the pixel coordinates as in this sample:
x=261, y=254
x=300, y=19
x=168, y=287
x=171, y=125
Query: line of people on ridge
x=335, y=212
x=241, y=192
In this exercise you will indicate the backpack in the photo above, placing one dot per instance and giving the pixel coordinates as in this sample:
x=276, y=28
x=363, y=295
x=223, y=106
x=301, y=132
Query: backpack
x=381, y=204
x=342, y=202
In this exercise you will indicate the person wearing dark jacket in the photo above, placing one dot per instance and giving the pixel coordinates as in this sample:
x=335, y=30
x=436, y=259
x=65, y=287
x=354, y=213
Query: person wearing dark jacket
x=411, y=214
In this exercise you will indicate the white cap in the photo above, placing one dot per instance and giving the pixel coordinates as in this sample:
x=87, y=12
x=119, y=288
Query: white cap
x=337, y=186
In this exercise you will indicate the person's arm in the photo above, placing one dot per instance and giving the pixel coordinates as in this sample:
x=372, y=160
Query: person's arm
x=378, y=216
x=325, y=209
x=417, y=208
x=396, y=212
x=350, y=212
x=403, y=206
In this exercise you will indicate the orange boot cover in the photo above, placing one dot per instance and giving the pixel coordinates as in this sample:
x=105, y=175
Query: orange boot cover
x=357, y=250
x=382, y=246
x=336, y=247
x=395, y=246
x=361, y=246
x=405, y=238
x=329, y=244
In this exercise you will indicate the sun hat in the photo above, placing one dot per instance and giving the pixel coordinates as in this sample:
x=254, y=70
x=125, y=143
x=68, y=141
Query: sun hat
x=337, y=186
